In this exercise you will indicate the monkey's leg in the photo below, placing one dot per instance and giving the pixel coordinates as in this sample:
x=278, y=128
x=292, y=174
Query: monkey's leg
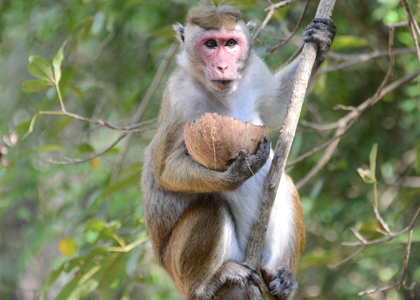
x=199, y=252
x=284, y=243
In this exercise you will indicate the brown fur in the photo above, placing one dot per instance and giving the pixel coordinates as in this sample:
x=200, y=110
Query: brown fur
x=299, y=226
x=209, y=16
x=192, y=241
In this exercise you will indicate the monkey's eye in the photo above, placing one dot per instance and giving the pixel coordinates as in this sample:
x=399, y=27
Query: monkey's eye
x=211, y=43
x=231, y=43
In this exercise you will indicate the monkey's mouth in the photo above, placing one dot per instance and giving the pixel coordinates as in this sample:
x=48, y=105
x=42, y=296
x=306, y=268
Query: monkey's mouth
x=223, y=81
x=222, y=85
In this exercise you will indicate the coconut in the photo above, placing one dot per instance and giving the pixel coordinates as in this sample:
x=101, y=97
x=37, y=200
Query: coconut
x=215, y=141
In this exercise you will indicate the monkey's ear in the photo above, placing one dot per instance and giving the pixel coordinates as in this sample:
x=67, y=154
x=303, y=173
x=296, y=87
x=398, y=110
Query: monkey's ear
x=251, y=25
x=179, y=32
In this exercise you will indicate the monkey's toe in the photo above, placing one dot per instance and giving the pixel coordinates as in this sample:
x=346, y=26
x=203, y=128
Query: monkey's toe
x=281, y=282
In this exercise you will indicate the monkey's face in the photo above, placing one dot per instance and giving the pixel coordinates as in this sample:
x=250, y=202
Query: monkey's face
x=222, y=55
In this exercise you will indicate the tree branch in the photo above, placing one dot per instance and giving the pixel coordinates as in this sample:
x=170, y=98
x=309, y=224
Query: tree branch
x=257, y=236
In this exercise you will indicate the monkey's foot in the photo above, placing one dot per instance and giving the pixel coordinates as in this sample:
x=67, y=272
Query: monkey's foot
x=230, y=274
x=238, y=273
x=281, y=282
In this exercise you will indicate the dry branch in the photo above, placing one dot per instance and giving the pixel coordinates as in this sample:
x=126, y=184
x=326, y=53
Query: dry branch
x=257, y=236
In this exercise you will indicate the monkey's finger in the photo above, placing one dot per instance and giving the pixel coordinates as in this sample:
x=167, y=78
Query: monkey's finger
x=248, y=266
x=319, y=32
x=325, y=21
x=241, y=155
x=319, y=39
x=255, y=279
x=319, y=27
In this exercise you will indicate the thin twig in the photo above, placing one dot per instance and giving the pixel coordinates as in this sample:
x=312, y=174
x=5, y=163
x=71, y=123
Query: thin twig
x=414, y=27
x=364, y=243
x=352, y=116
x=401, y=282
x=278, y=5
x=323, y=160
x=142, y=108
x=348, y=258
x=98, y=122
x=389, y=237
x=271, y=9
x=271, y=49
x=320, y=147
x=352, y=59
x=79, y=161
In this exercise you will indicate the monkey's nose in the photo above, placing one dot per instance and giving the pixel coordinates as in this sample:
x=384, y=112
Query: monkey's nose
x=222, y=68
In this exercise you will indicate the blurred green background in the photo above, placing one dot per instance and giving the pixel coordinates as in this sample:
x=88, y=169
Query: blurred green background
x=64, y=230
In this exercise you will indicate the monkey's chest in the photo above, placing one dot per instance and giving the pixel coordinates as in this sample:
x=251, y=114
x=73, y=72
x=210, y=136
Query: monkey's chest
x=244, y=204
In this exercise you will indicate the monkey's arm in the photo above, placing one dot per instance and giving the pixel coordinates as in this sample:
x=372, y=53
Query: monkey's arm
x=273, y=110
x=320, y=32
x=176, y=171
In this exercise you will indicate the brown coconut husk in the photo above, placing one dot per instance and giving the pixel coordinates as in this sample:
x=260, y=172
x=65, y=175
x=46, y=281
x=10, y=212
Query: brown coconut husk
x=215, y=141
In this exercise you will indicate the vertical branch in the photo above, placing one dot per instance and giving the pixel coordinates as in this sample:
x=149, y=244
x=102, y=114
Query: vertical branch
x=287, y=133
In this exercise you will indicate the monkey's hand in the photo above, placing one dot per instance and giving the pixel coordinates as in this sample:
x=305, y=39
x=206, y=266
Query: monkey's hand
x=243, y=168
x=321, y=32
x=281, y=282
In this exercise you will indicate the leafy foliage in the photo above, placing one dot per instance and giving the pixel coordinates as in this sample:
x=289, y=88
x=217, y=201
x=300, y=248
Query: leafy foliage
x=76, y=232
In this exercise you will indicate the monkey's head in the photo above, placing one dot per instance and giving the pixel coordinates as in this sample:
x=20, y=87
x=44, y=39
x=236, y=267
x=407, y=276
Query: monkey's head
x=216, y=44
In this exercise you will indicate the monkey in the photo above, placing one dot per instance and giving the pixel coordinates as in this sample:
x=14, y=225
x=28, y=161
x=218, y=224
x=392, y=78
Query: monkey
x=198, y=219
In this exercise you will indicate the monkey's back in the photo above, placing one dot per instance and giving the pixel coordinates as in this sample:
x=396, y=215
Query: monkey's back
x=162, y=209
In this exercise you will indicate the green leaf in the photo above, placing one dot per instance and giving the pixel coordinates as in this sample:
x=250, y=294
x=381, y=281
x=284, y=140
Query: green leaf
x=164, y=32
x=36, y=85
x=81, y=278
x=369, y=229
x=111, y=273
x=365, y=175
x=85, y=148
x=57, y=60
x=77, y=92
x=96, y=225
x=24, y=214
x=31, y=125
x=50, y=279
x=22, y=127
x=348, y=41
x=132, y=180
x=40, y=68
x=45, y=148
x=372, y=162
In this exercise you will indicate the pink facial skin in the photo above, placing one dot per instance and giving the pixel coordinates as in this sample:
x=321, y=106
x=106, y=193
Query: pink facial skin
x=222, y=60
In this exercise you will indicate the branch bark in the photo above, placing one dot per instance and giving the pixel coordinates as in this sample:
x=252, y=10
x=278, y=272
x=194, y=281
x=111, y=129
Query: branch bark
x=287, y=133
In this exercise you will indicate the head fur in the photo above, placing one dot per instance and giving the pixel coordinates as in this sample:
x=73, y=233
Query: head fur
x=209, y=16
